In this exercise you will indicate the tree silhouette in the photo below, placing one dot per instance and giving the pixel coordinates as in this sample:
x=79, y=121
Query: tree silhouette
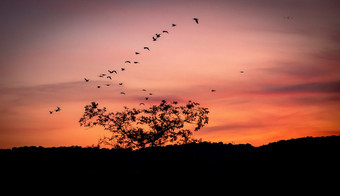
x=166, y=123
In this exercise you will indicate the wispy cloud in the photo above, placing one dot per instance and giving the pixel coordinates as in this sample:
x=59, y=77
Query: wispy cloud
x=313, y=87
x=295, y=69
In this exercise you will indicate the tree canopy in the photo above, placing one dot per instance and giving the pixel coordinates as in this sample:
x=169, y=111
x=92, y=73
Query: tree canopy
x=166, y=123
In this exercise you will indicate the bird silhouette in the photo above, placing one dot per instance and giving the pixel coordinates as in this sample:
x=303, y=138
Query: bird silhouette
x=135, y=62
x=241, y=71
x=113, y=71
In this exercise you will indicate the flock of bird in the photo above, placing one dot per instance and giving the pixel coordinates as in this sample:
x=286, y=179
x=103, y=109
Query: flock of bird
x=109, y=76
x=111, y=73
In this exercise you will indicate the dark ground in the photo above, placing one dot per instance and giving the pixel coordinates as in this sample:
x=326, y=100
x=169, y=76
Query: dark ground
x=303, y=158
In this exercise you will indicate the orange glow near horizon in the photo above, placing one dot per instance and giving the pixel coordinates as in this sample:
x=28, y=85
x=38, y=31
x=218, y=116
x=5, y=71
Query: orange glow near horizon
x=290, y=86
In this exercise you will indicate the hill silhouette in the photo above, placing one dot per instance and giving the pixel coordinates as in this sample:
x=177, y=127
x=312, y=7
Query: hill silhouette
x=303, y=156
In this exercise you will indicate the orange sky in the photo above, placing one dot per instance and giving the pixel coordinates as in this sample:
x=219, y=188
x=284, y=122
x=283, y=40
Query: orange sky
x=290, y=86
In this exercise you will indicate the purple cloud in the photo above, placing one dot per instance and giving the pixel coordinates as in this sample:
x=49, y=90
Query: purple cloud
x=313, y=87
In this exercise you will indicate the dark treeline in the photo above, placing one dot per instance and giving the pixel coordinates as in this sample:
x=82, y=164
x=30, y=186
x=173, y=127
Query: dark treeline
x=320, y=154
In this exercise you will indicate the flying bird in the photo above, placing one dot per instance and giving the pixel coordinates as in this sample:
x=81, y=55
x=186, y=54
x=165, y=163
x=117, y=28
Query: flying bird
x=150, y=94
x=173, y=25
x=109, y=77
x=165, y=31
x=123, y=93
x=102, y=75
x=141, y=104
x=196, y=20
x=107, y=84
x=213, y=90
x=86, y=80
x=143, y=89
x=241, y=71
x=146, y=98
x=154, y=39
x=127, y=61
x=57, y=110
x=98, y=86
x=120, y=83
x=158, y=35
x=123, y=69
x=137, y=53
x=135, y=62
x=51, y=112
x=113, y=71
x=147, y=48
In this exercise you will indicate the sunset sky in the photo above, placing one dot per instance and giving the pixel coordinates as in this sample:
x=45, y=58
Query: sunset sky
x=289, y=51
